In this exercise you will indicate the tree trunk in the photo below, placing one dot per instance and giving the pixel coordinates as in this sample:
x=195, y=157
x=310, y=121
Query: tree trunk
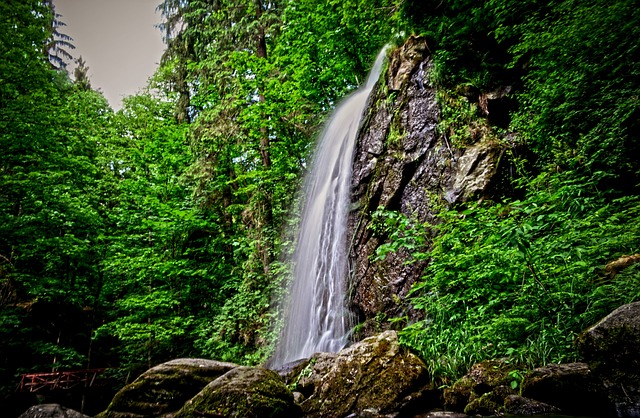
x=266, y=246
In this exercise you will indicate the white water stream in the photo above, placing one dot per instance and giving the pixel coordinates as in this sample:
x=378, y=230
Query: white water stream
x=316, y=318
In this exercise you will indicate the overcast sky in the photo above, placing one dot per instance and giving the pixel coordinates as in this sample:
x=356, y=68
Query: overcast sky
x=117, y=39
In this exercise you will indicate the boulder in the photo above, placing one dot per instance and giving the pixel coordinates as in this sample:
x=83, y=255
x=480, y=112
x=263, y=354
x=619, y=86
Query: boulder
x=51, y=410
x=165, y=388
x=373, y=377
x=610, y=347
x=489, y=403
x=570, y=387
x=243, y=392
x=482, y=390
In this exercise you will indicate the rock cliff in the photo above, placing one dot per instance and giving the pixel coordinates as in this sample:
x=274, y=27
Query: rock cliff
x=404, y=163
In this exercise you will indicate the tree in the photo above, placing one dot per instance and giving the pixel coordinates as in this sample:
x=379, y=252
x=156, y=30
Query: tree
x=58, y=42
x=81, y=74
x=50, y=224
x=157, y=282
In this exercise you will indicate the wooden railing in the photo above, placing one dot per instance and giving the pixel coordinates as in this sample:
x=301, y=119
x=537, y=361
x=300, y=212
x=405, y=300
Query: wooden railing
x=34, y=382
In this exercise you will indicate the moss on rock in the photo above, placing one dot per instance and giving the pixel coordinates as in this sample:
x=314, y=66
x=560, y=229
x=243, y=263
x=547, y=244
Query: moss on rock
x=519, y=405
x=243, y=392
x=374, y=375
x=164, y=388
x=491, y=378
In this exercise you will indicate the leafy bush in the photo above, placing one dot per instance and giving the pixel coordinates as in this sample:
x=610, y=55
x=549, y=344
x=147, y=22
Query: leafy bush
x=521, y=278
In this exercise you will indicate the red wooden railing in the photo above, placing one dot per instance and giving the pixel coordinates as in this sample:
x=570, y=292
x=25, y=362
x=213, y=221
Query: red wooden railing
x=33, y=382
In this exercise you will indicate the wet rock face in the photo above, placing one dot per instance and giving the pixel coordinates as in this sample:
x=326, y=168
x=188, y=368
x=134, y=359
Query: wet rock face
x=243, y=392
x=164, y=388
x=610, y=347
x=371, y=378
x=402, y=163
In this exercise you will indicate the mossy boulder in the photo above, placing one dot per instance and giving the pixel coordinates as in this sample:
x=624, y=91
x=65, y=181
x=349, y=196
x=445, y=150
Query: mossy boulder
x=165, y=388
x=571, y=387
x=489, y=403
x=482, y=390
x=374, y=376
x=610, y=347
x=243, y=392
x=520, y=405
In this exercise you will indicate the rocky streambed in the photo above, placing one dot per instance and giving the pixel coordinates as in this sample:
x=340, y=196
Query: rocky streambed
x=377, y=377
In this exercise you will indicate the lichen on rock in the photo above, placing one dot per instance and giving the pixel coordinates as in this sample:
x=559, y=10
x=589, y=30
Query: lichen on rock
x=482, y=390
x=520, y=405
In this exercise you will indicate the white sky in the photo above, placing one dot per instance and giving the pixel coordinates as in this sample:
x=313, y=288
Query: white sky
x=118, y=41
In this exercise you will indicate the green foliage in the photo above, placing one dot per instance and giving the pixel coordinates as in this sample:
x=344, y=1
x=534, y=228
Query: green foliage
x=461, y=35
x=519, y=279
x=580, y=109
x=459, y=122
x=159, y=280
x=399, y=231
x=50, y=224
x=131, y=238
x=572, y=64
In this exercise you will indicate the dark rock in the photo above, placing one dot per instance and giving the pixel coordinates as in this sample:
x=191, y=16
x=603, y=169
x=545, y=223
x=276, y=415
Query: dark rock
x=441, y=414
x=570, y=387
x=375, y=377
x=164, y=388
x=243, y=392
x=519, y=405
x=482, y=390
x=298, y=397
x=402, y=163
x=289, y=370
x=610, y=347
x=51, y=410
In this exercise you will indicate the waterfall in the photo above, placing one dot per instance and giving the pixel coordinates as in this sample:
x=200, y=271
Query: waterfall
x=316, y=318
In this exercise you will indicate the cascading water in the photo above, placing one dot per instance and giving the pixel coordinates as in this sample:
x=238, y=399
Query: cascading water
x=316, y=318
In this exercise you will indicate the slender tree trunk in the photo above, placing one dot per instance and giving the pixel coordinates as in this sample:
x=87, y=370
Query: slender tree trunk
x=266, y=246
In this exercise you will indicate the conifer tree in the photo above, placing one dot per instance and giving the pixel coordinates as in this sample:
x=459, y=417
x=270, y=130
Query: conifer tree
x=81, y=74
x=58, y=42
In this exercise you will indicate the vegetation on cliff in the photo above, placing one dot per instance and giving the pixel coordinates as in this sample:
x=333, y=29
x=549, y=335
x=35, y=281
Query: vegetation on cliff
x=521, y=274
x=130, y=238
